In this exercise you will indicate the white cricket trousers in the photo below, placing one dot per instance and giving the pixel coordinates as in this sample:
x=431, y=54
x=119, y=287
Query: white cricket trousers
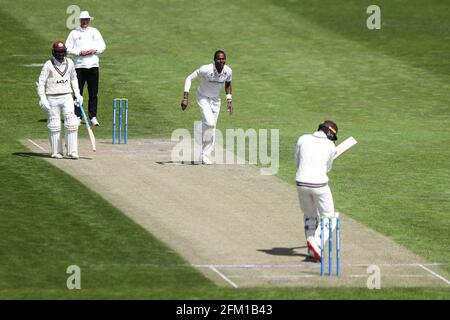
x=210, y=108
x=62, y=104
x=316, y=203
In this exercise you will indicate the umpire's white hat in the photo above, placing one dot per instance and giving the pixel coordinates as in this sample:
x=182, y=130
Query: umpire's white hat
x=85, y=15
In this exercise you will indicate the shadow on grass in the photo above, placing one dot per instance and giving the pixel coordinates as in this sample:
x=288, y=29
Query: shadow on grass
x=32, y=154
x=41, y=155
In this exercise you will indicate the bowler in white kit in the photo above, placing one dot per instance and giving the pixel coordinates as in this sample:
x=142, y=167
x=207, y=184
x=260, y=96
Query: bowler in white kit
x=214, y=77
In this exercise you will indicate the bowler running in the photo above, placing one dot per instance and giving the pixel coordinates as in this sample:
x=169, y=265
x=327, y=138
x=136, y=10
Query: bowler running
x=214, y=76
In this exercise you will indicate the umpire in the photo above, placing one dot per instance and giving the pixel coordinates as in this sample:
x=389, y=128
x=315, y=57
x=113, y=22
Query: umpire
x=85, y=43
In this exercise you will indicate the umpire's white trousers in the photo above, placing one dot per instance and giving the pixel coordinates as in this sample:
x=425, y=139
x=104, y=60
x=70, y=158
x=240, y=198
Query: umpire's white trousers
x=316, y=203
x=210, y=108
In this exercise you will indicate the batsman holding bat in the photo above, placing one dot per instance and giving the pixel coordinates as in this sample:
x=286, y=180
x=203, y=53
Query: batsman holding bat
x=314, y=157
x=57, y=81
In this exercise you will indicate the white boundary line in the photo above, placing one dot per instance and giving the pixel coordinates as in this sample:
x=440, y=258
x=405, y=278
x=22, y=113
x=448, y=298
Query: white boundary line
x=434, y=273
x=223, y=277
x=36, y=145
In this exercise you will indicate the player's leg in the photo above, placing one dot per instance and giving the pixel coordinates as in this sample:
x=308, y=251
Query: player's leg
x=309, y=210
x=92, y=84
x=325, y=205
x=208, y=127
x=54, y=128
x=81, y=81
x=215, y=107
x=310, y=217
x=71, y=124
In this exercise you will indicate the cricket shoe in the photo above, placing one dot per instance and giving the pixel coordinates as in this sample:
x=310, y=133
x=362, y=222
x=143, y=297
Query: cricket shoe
x=57, y=156
x=312, y=245
x=205, y=160
x=95, y=122
x=74, y=155
x=310, y=257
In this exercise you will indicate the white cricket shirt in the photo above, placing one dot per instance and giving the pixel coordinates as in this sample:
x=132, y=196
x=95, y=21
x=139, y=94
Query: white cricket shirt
x=314, y=158
x=57, y=78
x=81, y=39
x=212, y=81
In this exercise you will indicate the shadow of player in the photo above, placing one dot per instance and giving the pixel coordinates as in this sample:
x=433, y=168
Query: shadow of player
x=278, y=251
x=32, y=154
x=42, y=155
x=180, y=163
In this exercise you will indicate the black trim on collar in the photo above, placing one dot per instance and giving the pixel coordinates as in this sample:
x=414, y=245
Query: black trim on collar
x=61, y=73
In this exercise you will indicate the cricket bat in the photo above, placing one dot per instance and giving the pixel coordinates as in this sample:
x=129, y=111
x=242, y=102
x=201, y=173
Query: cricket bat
x=89, y=129
x=344, y=146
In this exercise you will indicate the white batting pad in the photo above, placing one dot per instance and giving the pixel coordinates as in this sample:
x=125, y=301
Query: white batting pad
x=71, y=123
x=54, y=134
x=54, y=124
x=54, y=138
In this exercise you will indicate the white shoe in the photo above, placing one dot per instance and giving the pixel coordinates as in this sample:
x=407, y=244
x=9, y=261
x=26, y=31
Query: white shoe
x=95, y=122
x=312, y=245
x=57, y=156
x=74, y=155
x=205, y=160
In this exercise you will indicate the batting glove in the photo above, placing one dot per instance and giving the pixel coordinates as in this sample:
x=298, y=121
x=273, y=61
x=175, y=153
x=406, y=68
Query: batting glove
x=43, y=103
x=79, y=100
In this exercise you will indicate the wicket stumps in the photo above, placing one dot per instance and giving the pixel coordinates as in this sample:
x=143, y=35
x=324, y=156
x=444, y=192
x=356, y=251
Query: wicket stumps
x=122, y=103
x=330, y=246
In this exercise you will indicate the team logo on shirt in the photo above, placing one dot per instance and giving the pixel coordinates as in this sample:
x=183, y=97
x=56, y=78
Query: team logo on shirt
x=61, y=81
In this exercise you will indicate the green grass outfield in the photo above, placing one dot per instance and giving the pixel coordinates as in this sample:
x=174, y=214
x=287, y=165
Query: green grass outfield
x=295, y=63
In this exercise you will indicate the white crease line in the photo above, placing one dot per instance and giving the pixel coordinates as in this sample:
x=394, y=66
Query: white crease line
x=223, y=276
x=389, y=275
x=290, y=277
x=33, y=65
x=394, y=264
x=251, y=266
x=37, y=145
x=434, y=273
x=305, y=265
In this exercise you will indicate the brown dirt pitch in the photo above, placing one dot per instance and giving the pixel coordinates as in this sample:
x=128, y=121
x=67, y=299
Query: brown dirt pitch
x=238, y=227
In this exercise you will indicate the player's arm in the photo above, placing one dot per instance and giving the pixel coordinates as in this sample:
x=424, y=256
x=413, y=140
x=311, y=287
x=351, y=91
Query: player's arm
x=331, y=159
x=297, y=155
x=297, y=152
x=40, y=88
x=74, y=83
x=228, y=92
x=187, y=86
x=101, y=46
x=70, y=45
